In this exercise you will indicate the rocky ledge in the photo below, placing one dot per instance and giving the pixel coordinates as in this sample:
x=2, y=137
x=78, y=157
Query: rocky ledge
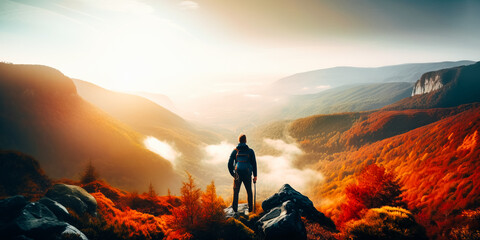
x=47, y=218
x=282, y=215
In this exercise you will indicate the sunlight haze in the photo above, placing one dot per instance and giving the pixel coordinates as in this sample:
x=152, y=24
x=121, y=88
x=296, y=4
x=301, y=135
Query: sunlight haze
x=194, y=48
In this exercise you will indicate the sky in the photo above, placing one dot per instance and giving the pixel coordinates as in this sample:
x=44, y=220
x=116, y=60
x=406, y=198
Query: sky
x=187, y=48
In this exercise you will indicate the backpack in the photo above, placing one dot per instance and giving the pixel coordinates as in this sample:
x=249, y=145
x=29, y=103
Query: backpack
x=242, y=163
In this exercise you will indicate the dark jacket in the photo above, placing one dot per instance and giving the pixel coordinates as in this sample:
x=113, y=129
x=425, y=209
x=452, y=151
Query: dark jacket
x=233, y=156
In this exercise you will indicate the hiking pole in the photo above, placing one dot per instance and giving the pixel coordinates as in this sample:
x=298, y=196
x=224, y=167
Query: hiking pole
x=254, y=195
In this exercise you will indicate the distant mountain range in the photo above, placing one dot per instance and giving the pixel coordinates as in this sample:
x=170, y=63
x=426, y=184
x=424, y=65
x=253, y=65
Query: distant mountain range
x=349, y=98
x=42, y=115
x=324, y=91
x=318, y=80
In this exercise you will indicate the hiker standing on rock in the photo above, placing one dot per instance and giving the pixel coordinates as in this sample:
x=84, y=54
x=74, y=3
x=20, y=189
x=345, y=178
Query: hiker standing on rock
x=242, y=164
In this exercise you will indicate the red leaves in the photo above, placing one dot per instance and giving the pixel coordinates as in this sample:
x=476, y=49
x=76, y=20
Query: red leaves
x=375, y=188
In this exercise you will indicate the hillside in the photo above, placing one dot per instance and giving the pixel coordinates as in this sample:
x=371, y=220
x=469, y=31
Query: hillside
x=433, y=152
x=436, y=164
x=349, y=98
x=317, y=80
x=444, y=88
x=160, y=99
x=21, y=174
x=42, y=115
x=150, y=119
x=429, y=141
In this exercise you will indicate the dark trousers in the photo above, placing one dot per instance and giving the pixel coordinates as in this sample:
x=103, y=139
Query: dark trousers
x=246, y=179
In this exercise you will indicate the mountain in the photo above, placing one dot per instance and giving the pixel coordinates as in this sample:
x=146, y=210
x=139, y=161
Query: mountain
x=444, y=88
x=150, y=119
x=318, y=80
x=349, y=98
x=159, y=99
x=42, y=115
x=324, y=91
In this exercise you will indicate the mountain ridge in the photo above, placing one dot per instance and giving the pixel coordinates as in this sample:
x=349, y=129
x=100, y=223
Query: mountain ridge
x=41, y=115
x=317, y=80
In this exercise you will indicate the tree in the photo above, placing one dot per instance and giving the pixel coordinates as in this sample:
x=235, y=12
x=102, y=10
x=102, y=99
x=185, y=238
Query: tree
x=187, y=215
x=89, y=174
x=375, y=188
x=212, y=206
x=151, y=191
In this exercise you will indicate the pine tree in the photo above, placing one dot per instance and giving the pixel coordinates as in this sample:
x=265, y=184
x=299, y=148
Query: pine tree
x=151, y=191
x=89, y=174
x=212, y=206
x=188, y=214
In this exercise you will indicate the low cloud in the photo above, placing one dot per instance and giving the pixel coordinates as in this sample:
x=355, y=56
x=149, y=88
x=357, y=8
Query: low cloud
x=217, y=154
x=162, y=148
x=274, y=171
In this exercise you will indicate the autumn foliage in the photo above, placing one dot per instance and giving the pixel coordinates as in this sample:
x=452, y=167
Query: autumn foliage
x=375, y=188
x=200, y=212
x=436, y=165
x=385, y=223
x=187, y=216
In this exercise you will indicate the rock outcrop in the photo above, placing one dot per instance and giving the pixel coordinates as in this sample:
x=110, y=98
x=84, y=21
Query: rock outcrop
x=429, y=82
x=283, y=222
x=282, y=217
x=241, y=210
x=23, y=220
x=73, y=197
x=444, y=88
x=302, y=204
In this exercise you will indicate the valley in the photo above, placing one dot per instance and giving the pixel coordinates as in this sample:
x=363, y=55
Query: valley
x=318, y=143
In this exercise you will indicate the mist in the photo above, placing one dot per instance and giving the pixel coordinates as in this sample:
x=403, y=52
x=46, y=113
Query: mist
x=162, y=148
x=272, y=171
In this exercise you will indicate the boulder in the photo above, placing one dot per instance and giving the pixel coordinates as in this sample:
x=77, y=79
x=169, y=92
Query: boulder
x=302, y=203
x=242, y=208
x=73, y=197
x=283, y=222
x=58, y=209
x=24, y=220
x=10, y=208
x=36, y=221
x=72, y=232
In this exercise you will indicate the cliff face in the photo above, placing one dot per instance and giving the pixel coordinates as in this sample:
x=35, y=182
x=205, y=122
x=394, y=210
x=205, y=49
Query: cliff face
x=435, y=80
x=444, y=88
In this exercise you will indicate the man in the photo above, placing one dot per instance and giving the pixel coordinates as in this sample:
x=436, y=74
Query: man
x=242, y=164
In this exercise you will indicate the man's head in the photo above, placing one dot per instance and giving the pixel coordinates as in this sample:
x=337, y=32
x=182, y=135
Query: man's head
x=242, y=138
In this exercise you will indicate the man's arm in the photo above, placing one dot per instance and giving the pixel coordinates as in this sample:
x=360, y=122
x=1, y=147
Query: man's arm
x=230, y=163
